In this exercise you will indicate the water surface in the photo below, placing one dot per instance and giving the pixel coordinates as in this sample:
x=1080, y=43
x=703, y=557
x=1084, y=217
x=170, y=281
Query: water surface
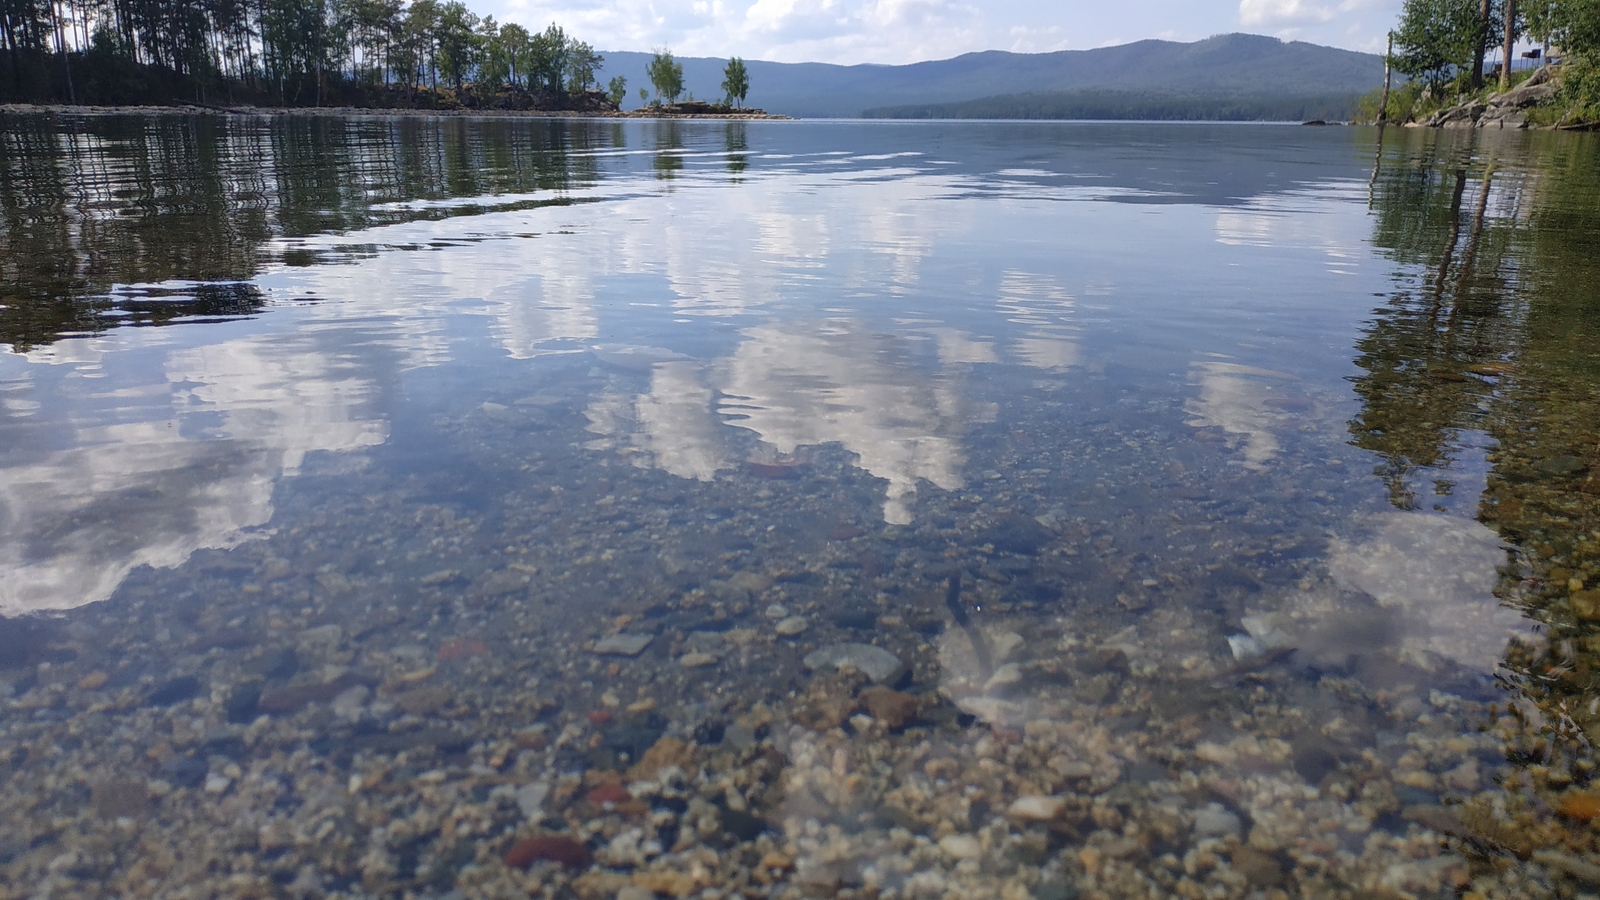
x=1218, y=500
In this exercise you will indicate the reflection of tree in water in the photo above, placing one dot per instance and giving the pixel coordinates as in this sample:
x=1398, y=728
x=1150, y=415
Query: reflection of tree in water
x=738, y=145
x=1431, y=351
x=1499, y=335
x=90, y=204
x=668, y=146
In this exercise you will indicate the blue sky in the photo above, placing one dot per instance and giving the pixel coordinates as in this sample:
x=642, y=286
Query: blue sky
x=901, y=31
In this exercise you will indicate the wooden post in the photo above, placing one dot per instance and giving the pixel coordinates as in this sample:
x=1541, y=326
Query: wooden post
x=1388, y=68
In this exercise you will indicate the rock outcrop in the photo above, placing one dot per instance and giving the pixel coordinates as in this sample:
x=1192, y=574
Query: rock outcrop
x=1507, y=110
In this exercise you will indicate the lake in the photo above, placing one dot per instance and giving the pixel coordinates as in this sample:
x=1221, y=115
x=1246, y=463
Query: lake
x=455, y=508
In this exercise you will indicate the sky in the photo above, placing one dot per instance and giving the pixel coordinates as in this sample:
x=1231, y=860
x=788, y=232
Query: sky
x=903, y=31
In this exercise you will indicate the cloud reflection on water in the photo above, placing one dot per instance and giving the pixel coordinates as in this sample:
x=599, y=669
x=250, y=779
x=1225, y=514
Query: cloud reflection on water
x=556, y=279
x=1436, y=575
x=183, y=463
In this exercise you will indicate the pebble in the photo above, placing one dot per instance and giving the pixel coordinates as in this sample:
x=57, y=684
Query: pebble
x=696, y=660
x=1580, y=805
x=1036, y=808
x=350, y=702
x=623, y=644
x=563, y=850
x=423, y=701
x=217, y=784
x=739, y=736
x=961, y=846
x=792, y=626
x=1214, y=821
x=777, y=611
x=94, y=681
x=530, y=799
x=875, y=662
x=892, y=708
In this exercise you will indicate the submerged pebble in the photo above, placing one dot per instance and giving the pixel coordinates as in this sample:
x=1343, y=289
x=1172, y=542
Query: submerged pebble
x=792, y=626
x=623, y=644
x=875, y=662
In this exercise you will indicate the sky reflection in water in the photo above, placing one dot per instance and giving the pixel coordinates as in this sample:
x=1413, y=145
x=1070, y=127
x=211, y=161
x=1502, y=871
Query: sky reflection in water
x=1099, y=374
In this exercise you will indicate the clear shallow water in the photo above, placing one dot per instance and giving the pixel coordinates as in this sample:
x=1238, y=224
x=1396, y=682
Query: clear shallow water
x=1222, y=493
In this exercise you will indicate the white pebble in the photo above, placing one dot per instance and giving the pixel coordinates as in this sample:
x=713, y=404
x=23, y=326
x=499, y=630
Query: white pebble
x=961, y=846
x=1036, y=808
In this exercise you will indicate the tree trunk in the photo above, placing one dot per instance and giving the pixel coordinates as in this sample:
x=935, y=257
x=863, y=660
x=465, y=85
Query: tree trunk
x=1511, y=34
x=1483, y=44
x=61, y=47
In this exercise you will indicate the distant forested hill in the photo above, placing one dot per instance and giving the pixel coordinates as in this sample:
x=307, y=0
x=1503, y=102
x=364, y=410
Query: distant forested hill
x=1247, y=69
x=1145, y=105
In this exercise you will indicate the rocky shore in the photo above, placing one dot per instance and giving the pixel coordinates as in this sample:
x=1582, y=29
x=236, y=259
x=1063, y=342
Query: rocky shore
x=1504, y=110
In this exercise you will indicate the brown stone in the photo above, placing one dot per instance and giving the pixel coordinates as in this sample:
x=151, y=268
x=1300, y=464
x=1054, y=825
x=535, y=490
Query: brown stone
x=666, y=753
x=1262, y=870
x=676, y=884
x=823, y=713
x=93, y=681
x=291, y=699
x=423, y=701
x=892, y=708
x=1585, y=604
x=599, y=885
x=1580, y=805
x=563, y=850
x=776, y=860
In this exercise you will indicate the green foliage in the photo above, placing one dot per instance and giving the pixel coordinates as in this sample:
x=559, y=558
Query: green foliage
x=617, y=90
x=1407, y=100
x=735, y=82
x=457, y=40
x=1577, y=103
x=1573, y=25
x=361, y=52
x=547, y=60
x=666, y=76
x=494, y=63
x=1437, y=39
x=513, y=45
x=418, y=46
x=581, y=64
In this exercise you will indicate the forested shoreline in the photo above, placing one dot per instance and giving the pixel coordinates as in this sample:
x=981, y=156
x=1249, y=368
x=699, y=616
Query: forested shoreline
x=1444, y=47
x=381, y=54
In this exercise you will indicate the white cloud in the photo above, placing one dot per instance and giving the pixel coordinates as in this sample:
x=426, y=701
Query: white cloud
x=1276, y=12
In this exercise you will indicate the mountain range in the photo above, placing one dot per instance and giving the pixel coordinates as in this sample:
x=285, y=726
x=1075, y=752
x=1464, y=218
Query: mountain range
x=1252, y=75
